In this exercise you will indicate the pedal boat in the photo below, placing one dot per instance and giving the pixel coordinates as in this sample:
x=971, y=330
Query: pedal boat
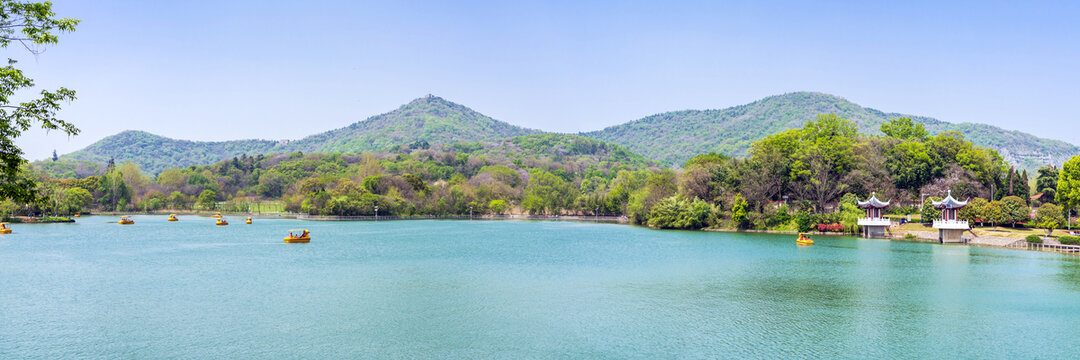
x=303, y=236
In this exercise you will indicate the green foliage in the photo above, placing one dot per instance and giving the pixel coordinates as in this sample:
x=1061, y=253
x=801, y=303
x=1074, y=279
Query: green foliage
x=912, y=165
x=739, y=212
x=115, y=192
x=1068, y=184
x=1046, y=183
x=803, y=221
x=30, y=24
x=1049, y=217
x=1069, y=240
x=909, y=236
x=1034, y=239
x=929, y=213
x=973, y=211
x=1014, y=210
x=676, y=213
x=994, y=212
x=546, y=193
x=207, y=199
x=904, y=129
x=497, y=207
x=705, y=159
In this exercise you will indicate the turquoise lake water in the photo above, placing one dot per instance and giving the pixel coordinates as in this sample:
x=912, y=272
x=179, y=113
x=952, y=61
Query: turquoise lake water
x=507, y=289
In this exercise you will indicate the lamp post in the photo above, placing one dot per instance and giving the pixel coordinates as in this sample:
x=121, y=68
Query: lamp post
x=376, y=212
x=596, y=214
x=470, y=212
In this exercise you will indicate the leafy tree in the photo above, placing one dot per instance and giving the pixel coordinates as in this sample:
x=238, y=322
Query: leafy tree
x=497, y=207
x=929, y=213
x=78, y=199
x=177, y=200
x=207, y=199
x=677, y=213
x=114, y=190
x=912, y=165
x=904, y=129
x=825, y=153
x=1014, y=210
x=1046, y=183
x=739, y=212
x=1049, y=217
x=546, y=193
x=994, y=212
x=1068, y=184
x=973, y=211
x=32, y=25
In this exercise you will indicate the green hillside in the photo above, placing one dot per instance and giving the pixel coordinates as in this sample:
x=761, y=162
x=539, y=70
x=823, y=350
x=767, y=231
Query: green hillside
x=154, y=153
x=430, y=118
x=671, y=137
x=676, y=136
x=563, y=148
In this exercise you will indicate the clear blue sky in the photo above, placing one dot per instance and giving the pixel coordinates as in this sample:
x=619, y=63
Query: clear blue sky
x=218, y=70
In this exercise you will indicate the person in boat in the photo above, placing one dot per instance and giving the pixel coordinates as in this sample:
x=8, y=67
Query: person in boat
x=304, y=234
x=3, y=226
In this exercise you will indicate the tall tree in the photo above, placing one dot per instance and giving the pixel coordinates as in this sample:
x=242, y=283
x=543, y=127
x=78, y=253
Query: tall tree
x=1046, y=183
x=825, y=154
x=1015, y=210
x=32, y=25
x=1068, y=186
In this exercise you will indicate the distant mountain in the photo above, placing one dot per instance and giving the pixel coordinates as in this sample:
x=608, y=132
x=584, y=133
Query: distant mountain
x=430, y=118
x=154, y=153
x=671, y=137
x=676, y=136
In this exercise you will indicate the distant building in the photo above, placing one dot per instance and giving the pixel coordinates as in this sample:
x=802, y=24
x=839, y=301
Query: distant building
x=950, y=227
x=874, y=224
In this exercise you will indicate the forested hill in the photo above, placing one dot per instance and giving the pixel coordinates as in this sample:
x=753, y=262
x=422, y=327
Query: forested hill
x=154, y=153
x=676, y=136
x=671, y=137
x=429, y=119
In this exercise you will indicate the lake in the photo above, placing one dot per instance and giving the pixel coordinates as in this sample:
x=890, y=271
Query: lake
x=517, y=289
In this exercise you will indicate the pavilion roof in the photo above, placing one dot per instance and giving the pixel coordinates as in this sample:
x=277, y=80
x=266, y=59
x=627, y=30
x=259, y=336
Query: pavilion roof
x=873, y=202
x=949, y=203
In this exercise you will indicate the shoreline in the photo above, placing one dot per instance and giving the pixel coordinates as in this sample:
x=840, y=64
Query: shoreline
x=986, y=241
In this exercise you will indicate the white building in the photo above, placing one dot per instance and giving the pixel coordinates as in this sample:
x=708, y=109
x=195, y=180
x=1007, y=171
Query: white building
x=950, y=227
x=874, y=224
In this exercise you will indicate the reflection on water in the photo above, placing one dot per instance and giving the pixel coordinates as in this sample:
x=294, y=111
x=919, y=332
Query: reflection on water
x=482, y=289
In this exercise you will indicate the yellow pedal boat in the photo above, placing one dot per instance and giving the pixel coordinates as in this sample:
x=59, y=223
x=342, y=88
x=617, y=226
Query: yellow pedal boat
x=804, y=240
x=298, y=236
x=221, y=221
x=248, y=221
x=4, y=229
x=172, y=217
x=126, y=220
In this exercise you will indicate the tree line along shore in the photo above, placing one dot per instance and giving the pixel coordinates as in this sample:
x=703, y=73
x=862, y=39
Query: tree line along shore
x=797, y=180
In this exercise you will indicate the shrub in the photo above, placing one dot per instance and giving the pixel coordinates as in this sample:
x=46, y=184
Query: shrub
x=909, y=236
x=1034, y=239
x=776, y=216
x=803, y=221
x=1069, y=240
